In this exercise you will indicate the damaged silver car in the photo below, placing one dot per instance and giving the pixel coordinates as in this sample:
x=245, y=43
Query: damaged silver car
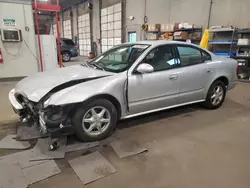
x=128, y=80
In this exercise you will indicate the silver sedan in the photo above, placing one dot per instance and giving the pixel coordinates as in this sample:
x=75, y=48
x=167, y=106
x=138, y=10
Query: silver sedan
x=128, y=80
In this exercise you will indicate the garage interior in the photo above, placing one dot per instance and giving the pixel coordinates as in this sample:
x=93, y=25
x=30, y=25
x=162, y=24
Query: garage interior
x=187, y=146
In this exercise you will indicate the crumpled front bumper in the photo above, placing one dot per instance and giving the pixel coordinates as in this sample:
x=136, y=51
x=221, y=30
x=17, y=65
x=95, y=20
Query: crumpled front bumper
x=19, y=108
x=39, y=117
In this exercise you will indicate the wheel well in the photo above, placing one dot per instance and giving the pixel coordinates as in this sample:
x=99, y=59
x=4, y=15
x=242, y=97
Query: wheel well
x=113, y=100
x=223, y=79
x=65, y=51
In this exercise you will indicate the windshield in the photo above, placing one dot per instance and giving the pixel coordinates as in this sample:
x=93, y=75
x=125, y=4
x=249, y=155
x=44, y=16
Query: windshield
x=120, y=58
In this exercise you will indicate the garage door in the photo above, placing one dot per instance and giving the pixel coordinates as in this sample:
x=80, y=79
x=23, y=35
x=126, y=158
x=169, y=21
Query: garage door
x=67, y=29
x=84, y=34
x=111, y=22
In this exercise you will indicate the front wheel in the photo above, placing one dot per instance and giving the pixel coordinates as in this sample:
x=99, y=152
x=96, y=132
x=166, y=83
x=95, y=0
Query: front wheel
x=216, y=95
x=95, y=120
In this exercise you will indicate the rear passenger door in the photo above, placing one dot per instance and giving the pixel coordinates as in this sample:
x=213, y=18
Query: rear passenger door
x=195, y=72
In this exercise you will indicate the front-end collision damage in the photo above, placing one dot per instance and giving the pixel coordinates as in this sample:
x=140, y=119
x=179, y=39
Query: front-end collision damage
x=56, y=118
x=54, y=111
x=50, y=118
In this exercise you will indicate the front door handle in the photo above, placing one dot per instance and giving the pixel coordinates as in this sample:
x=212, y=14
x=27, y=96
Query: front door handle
x=173, y=77
x=209, y=70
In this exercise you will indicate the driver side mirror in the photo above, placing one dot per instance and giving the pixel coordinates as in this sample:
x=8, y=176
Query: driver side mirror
x=145, y=68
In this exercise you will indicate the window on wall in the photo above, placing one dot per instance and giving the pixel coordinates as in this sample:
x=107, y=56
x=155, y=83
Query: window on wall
x=111, y=26
x=131, y=36
x=84, y=34
x=67, y=29
x=54, y=30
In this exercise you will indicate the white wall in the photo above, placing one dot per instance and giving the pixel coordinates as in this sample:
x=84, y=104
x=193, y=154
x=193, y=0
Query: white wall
x=223, y=12
x=18, y=57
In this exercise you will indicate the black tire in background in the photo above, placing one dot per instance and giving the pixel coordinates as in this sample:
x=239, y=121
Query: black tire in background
x=66, y=56
x=82, y=109
x=208, y=103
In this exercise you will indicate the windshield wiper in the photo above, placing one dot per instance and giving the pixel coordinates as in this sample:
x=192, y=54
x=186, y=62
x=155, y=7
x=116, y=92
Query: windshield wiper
x=86, y=64
x=93, y=65
x=98, y=66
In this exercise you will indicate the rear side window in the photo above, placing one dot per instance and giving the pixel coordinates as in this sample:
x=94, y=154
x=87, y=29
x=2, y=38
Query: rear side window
x=206, y=56
x=189, y=55
x=68, y=42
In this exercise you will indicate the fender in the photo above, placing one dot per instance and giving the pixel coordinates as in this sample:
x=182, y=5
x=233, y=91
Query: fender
x=111, y=85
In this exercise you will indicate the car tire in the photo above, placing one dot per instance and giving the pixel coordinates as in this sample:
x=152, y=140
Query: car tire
x=90, y=114
x=216, y=95
x=66, y=56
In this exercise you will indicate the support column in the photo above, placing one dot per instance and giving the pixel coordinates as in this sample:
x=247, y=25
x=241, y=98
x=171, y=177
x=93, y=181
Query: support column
x=61, y=24
x=74, y=23
x=96, y=27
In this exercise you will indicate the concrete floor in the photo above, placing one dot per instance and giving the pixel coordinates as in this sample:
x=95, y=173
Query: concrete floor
x=187, y=147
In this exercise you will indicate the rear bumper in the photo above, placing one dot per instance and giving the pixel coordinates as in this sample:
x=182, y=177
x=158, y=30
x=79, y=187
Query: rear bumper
x=74, y=53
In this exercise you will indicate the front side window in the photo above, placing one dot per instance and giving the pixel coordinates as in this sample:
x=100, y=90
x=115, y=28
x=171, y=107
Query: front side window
x=189, y=55
x=120, y=58
x=162, y=58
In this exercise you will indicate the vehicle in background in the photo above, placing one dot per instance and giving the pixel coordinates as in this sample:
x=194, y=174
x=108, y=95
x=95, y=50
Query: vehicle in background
x=128, y=80
x=68, y=49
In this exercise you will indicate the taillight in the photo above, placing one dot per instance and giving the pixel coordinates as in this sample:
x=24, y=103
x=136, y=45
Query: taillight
x=1, y=56
x=75, y=47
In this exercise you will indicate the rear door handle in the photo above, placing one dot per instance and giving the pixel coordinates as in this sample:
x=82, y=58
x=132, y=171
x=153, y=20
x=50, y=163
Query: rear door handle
x=173, y=77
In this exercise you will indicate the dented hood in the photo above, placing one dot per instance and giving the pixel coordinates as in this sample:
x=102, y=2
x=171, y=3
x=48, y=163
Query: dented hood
x=36, y=86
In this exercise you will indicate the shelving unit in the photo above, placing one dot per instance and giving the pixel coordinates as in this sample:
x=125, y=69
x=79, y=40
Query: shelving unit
x=191, y=32
x=195, y=34
x=242, y=54
x=222, y=41
x=158, y=33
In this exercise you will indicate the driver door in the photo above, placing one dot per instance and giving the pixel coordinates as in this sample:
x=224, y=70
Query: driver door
x=159, y=89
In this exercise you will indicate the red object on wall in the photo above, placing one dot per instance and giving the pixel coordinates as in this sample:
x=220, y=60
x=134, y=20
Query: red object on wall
x=1, y=56
x=46, y=7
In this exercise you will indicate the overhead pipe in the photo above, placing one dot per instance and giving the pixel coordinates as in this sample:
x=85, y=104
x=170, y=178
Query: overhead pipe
x=209, y=14
x=38, y=37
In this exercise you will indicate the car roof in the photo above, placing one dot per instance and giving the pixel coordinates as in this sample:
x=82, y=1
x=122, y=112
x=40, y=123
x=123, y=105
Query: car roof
x=155, y=43
x=66, y=39
x=158, y=42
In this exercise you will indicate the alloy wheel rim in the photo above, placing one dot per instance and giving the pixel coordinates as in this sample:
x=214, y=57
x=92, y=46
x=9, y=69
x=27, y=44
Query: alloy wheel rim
x=217, y=95
x=66, y=57
x=96, y=121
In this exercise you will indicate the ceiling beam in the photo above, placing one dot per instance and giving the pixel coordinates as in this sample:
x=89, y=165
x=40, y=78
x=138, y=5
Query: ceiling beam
x=65, y=5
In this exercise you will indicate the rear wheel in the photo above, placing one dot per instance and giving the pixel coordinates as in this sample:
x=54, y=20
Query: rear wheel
x=66, y=56
x=95, y=120
x=216, y=95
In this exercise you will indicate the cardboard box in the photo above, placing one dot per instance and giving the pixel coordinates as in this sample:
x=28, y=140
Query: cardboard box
x=154, y=27
x=243, y=42
x=167, y=27
x=170, y=37
x=181, y=35
x=154, y=37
